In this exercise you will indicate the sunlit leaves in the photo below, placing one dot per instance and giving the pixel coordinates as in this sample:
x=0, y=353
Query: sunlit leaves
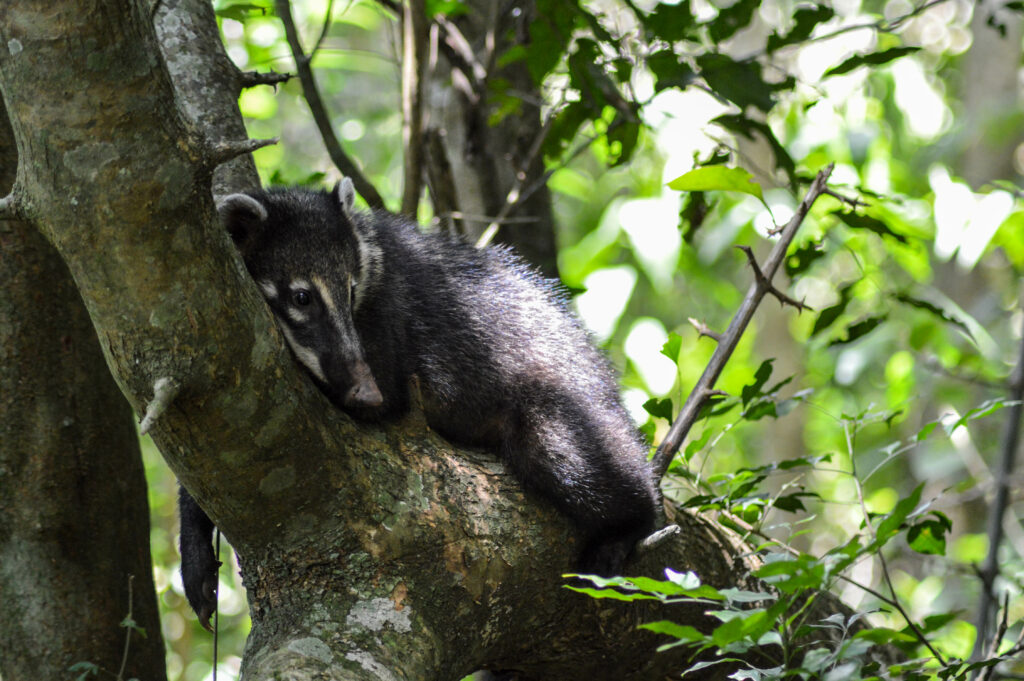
x=873, y=59
x=740, y=82
x=805, y=20
x=866, y=222
x=717, y=178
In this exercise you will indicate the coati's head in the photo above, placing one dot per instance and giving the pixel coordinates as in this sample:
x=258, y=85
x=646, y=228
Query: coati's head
x=305, y=252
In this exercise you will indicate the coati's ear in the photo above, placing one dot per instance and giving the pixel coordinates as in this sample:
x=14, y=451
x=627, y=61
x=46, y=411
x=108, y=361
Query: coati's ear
x=345, y=195
x=242, y=215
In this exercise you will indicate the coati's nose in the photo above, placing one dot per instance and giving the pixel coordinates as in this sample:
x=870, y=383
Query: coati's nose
x=364, y=392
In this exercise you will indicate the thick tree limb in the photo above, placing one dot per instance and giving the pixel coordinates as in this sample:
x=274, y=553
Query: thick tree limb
x=727, y=344
x=319, y=111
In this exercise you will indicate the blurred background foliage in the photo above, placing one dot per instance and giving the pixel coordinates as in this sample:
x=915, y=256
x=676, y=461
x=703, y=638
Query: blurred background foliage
x=916, y=301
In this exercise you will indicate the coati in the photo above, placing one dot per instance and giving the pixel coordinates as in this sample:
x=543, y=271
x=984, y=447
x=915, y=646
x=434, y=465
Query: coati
x=366, y=300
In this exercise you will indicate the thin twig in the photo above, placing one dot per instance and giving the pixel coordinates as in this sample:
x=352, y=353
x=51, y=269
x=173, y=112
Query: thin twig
x=127, y=633
x=851, y=202
x=415, y=34
x=249, y=79
x=702, y=391
x=882, y=25
x=703, y=330
x=222, y=152
x=328, y=20
x=164, y=391
x=881, y=557
x=319, y=112
x=10, y=208
x=516, y=194
x=763, y=282
x=1011, y=438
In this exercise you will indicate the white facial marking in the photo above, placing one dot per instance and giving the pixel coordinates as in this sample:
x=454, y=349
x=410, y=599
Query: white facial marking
x=325, y=295
x=298, y=284
x=268, y=288
x=305, y=355
x=297, y=315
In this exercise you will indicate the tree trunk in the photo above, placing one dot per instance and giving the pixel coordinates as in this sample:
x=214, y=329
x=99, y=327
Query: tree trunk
x=74, y=519
x=488, y=161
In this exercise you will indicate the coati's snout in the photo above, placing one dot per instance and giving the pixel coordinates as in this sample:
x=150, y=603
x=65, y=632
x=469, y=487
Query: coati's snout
x=364, y=393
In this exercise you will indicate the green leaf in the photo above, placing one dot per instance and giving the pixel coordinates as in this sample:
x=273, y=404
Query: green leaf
x=740, y=124
x=761, y=376
x=857, y=221
x=611, y=594
x=858, y=330
x=240, y=11
x=732, y=19
x=681, y=632
x=759, y=410
x=671, y=23
x=928, y=536
x=873, y=59
x=740, y=82
x=805, y=20
x=831, y=314
x=669, y=71
x=661, y=409
x=672, y=347
x=717, y=178
x=933, y=310
x=800, y=259
x=891, y=523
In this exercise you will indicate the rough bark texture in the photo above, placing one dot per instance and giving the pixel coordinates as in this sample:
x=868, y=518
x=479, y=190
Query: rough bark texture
x=206, y=84
x=487, y=160
x=369, y=553
x=74, y=519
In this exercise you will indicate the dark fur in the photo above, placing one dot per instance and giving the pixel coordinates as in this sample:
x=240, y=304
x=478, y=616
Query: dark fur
x=501, y=362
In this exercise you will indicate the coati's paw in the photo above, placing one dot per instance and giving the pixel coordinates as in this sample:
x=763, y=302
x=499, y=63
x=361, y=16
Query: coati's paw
x=199, y=576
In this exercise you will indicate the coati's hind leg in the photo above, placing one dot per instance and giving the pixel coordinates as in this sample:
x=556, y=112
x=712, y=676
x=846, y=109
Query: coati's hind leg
x=590, y=464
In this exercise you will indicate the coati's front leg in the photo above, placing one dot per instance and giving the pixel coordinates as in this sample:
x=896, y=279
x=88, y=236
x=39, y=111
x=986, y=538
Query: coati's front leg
x=198, y=562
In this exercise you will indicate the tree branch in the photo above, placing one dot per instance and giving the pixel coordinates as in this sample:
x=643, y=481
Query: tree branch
x=319, y=112
x=1001, y=480
x=415, y=29
x=727, y=344
x=249, y=79
x=222, y=152
x=11, y=208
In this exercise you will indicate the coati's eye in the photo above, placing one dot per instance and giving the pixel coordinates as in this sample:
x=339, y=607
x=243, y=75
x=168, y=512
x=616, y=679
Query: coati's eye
x=302, y=297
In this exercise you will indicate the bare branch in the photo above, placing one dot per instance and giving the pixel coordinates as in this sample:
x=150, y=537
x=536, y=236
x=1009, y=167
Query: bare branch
x=222, y=152
x=441, y=181
x=852, y=202
x=656, y=539
x=11, y=208
x=1001, y=479
x=164, y=391
x=704, y=330
x=764, y=283
x=319, y=112
x=688, y=414
x=415, y=34
x=328, y=18
x=249, y=79
x=516, y=194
